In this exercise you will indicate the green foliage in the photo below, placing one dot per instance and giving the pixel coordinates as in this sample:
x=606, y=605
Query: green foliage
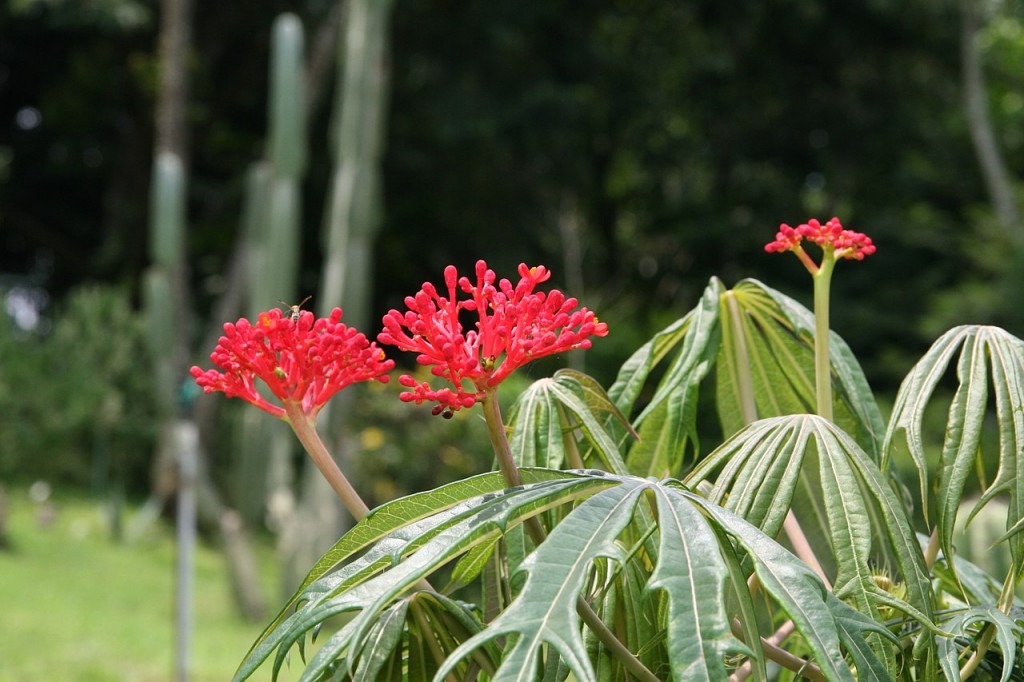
x=74, y=405
x=689, y=567
x=986, y=354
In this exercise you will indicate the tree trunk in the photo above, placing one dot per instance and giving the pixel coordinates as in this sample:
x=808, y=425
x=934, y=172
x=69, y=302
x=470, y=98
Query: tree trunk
x=993, y=168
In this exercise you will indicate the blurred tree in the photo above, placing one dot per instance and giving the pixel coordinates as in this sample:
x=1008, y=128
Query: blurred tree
x=75, y=407
x=688, y=132
x=683, y=132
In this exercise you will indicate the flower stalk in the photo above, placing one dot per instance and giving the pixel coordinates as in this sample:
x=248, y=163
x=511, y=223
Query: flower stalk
x=822, y=364
x=304, y=427
x=499, y=443
x=835, y=243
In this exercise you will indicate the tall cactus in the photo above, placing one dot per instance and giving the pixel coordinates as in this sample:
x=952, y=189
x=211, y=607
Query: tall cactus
x=358, y=119
x=350, y=226
x=167, y=249
x=165, y=301
x=273, y=226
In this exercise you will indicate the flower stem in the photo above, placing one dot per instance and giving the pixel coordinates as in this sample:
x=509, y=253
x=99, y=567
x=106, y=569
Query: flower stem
x=822, y=366
x=305, y=429
x=572, y=453
x=499, y=442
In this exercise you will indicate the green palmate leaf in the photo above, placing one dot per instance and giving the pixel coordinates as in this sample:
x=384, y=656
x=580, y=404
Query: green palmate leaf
x=766, y=366
x=384, y=641
x=854, y=631
x=761, y=345
x=396, y=529
x=384, y=520
x=538, y=437
x=760, y=469
x=677, y=555
x=965, y=580
x=666, y=425
x=635, y=371
x=596, y=398
x=545, y=611
x=692, y=573
x=569, y=393
x=689, y=572
x=546, y=416
x=472, y=564
x=984, y=354
x=802, y=595
x=1007, y=634
x=626, y=607
x=481, y=520
x=636, y=613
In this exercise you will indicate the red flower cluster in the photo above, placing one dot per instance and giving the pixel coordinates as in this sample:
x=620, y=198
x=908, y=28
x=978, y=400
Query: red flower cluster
x=303, y=360
x=831, y=235
x=515, y=325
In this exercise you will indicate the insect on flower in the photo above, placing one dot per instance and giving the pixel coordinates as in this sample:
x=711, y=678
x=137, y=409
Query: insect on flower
x=301, y=364
x=295, y=309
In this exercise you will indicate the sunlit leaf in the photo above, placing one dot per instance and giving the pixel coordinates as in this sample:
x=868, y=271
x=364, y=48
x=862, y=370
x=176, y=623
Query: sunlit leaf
x=666, y=425
x=1007, y=633
x=990, y=362
x=682, y=556
x=548, y=414
x=545, y=611
x=692, y=573
x=400, y=528
x=796, y=589
x=765, y=366
x=758, y=474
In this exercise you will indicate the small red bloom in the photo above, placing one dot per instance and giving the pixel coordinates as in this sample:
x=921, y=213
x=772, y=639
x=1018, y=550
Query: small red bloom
x=515, y=325
x=830, y=236
x=306, y=361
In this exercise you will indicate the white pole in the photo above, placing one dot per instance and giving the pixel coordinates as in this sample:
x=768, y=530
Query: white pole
x=186, y=442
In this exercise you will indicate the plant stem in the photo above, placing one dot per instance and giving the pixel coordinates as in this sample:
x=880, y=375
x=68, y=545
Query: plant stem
x=931, y=552
x=802, y=548
x=748, y=408
x=822, y=366
x=499, y=442
x=776, y=640
x=987, y=635
x=744, y=382
x=783, y=657
x=572, y=453
x=305, y=429
x=507, y=465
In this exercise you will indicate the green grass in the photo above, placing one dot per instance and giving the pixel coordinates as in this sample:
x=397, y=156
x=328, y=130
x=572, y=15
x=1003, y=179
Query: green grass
x=74, y=605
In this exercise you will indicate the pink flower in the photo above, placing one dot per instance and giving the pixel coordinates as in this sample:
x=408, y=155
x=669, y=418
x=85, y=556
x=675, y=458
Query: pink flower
x=514, y=326
x=830, y=237
x=303, y=361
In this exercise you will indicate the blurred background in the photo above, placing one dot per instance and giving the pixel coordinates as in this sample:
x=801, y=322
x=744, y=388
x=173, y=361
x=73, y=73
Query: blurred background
x=166, y=167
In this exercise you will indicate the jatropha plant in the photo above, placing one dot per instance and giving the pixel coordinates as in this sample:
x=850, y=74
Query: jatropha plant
x=606, y=545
